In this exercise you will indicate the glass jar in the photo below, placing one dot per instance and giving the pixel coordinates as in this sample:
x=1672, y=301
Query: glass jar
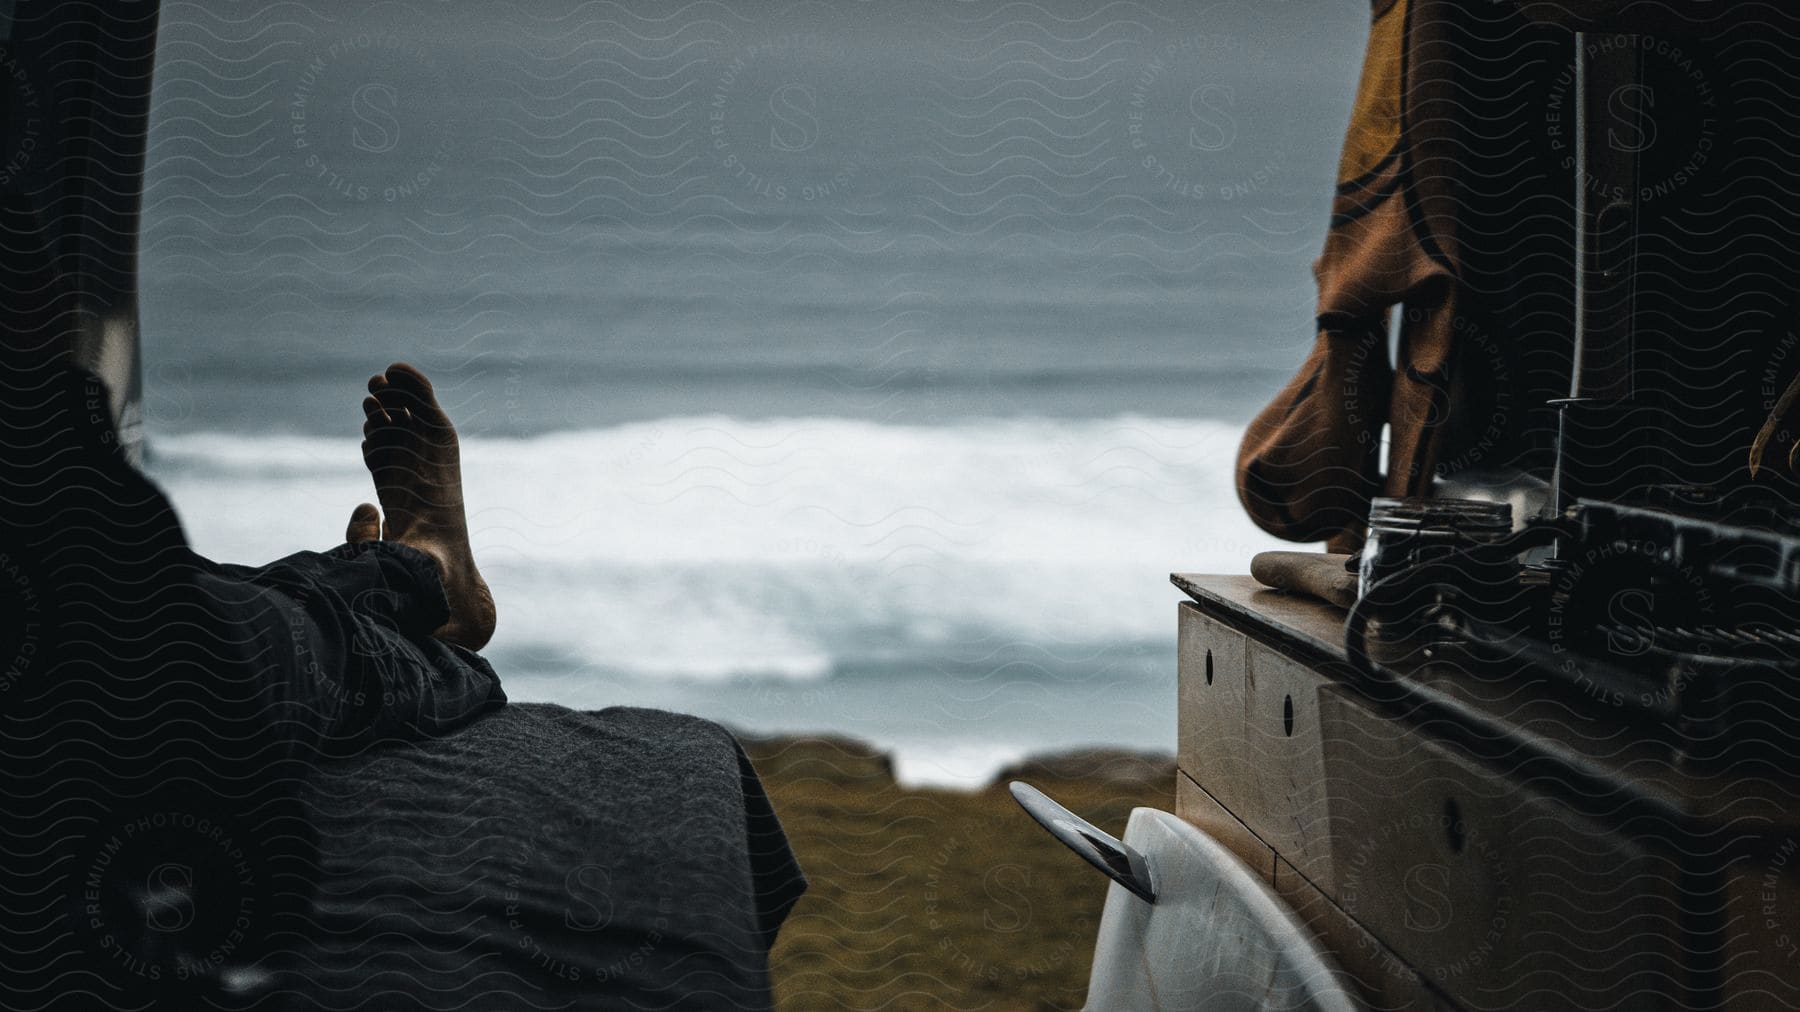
x=1407, y=533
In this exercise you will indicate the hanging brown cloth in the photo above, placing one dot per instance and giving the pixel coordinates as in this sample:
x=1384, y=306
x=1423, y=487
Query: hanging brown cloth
x=1309, y=463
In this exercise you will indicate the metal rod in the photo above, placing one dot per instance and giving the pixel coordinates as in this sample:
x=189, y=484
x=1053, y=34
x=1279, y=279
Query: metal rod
x=1581, y=213
x=1579, y=346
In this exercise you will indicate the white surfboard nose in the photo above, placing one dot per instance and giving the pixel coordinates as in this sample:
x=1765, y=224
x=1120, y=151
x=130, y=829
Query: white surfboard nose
x=1209, y=936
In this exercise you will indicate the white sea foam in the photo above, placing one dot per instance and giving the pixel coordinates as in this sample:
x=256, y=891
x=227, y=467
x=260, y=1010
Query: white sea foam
x=711, y=548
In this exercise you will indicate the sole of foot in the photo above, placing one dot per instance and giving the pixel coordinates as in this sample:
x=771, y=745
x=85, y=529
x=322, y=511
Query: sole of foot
x=411, y=451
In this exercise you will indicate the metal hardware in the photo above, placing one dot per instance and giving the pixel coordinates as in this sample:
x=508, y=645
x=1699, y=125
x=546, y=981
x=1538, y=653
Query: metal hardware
x=1097, y=847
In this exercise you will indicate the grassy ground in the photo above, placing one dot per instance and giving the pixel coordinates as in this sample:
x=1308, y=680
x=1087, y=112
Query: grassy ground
x=925, y=899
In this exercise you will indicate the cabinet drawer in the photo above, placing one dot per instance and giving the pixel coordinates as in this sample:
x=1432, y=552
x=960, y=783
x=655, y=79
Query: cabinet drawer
x=1495, y=891
x=1249, y=734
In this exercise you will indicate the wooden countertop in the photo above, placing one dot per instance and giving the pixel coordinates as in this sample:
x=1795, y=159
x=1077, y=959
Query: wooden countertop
x=1307, y=621
x=1524, y=722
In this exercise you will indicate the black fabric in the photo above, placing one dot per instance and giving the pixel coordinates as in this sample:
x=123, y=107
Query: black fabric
x=345, y=635
x=544, y=858
x=230, y=786
x=147, y=748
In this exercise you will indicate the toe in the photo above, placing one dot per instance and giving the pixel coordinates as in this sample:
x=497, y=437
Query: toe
x=378, y=383
x=407, y=388
x=375, y=417
x=365, y=524
x=410, y=389
x=396, y=398
x=402, y=374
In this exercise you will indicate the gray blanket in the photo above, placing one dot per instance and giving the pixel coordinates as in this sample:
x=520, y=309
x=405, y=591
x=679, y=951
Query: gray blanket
x=543, y=858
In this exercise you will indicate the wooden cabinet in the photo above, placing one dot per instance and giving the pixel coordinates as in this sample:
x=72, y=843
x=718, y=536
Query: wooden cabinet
x=1443, y=878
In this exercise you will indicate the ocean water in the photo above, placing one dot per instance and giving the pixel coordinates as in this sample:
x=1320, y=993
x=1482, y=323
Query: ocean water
x=854, y=367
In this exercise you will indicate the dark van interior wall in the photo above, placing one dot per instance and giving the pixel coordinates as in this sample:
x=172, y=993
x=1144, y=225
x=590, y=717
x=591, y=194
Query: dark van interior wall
x=72, y=142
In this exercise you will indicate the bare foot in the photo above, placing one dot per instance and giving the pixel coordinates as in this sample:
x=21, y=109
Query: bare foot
x=411, y=450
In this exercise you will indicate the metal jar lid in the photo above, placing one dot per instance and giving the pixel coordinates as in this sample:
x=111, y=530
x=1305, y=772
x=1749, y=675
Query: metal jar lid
x=1473, y=518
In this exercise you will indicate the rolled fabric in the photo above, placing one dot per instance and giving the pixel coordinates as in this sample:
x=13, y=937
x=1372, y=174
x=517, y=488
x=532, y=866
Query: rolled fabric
x=1324, y=575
